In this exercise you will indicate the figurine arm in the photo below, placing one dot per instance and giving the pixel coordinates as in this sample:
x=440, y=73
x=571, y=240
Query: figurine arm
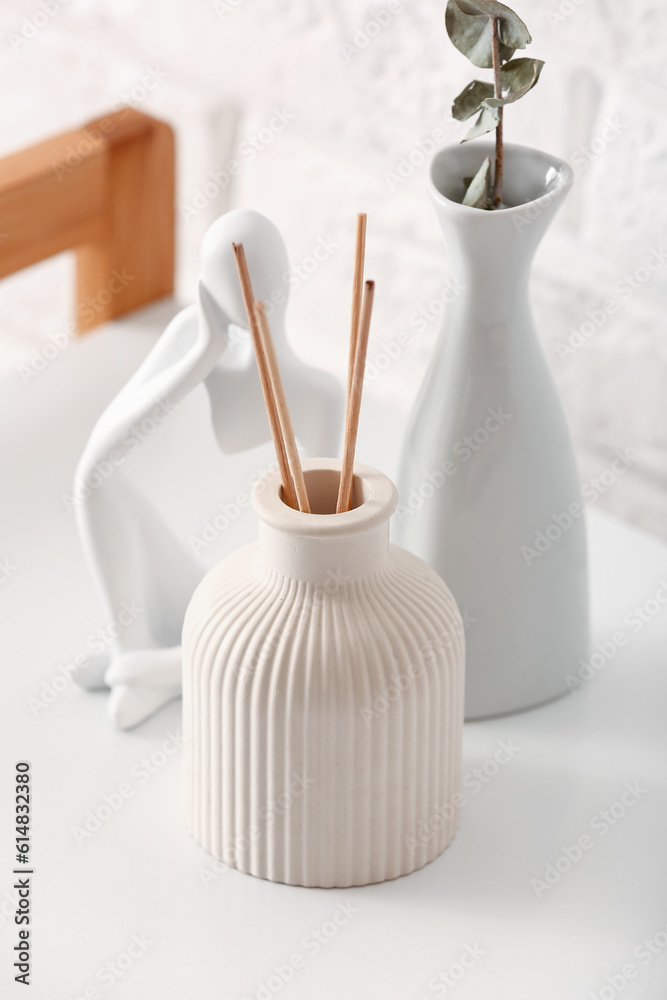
x=185, y=354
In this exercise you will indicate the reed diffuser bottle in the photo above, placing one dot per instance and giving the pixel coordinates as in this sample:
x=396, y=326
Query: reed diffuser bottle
x=323, y=668
x=323, y=694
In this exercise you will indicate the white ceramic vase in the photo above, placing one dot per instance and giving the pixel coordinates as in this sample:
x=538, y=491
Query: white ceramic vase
x=323, y=694
x=490, y=495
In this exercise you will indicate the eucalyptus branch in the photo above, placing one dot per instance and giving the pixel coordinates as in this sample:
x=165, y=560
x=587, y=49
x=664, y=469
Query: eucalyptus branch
x=489, y=33
x=497, y=93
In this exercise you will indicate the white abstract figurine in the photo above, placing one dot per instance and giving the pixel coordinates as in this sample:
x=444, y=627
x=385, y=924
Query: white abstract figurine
x=132, y=550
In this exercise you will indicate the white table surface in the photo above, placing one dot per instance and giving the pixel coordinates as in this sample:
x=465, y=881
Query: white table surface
x=220, y=935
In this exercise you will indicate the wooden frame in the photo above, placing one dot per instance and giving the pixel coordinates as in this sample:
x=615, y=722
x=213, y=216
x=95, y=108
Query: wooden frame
x=106, y=191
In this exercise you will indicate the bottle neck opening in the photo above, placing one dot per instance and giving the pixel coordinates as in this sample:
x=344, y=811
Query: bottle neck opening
x=322, y=546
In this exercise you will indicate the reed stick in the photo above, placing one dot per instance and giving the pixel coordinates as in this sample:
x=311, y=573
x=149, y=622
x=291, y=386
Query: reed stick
x=357, y=290
x=281, y=404
x=264, y=377
x=353, y=406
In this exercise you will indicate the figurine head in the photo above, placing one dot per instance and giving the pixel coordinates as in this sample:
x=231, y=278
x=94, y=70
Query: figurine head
x=266, y=256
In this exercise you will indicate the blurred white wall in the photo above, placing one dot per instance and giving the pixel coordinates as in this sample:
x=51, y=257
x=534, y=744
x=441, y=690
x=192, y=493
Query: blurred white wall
x=360, y=87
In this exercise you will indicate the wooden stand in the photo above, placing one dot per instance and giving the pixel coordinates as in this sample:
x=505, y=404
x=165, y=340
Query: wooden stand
x=105, y=190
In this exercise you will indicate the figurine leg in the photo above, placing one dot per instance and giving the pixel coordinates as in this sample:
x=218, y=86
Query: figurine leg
x=146, y=578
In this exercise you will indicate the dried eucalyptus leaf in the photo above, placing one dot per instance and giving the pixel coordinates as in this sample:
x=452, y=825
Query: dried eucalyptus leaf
x=471, y=99
x=517, y=77
x=477, y=195
x=487, y=121
x=471, y=34
x=513, y=33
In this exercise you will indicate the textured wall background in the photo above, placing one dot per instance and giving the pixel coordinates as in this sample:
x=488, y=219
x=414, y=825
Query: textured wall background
x=362, y=90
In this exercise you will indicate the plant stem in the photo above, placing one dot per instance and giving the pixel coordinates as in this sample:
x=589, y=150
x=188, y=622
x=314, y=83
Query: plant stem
x=498, y=92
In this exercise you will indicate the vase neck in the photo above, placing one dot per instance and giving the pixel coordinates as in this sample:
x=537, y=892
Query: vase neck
x=489, y=276
x=491, y=251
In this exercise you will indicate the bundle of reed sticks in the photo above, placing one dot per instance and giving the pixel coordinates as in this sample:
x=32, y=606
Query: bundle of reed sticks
x=282, y=432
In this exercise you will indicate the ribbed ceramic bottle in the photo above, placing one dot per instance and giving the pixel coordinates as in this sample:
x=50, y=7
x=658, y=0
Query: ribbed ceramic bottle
x=490, y=495
x=323, y=694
